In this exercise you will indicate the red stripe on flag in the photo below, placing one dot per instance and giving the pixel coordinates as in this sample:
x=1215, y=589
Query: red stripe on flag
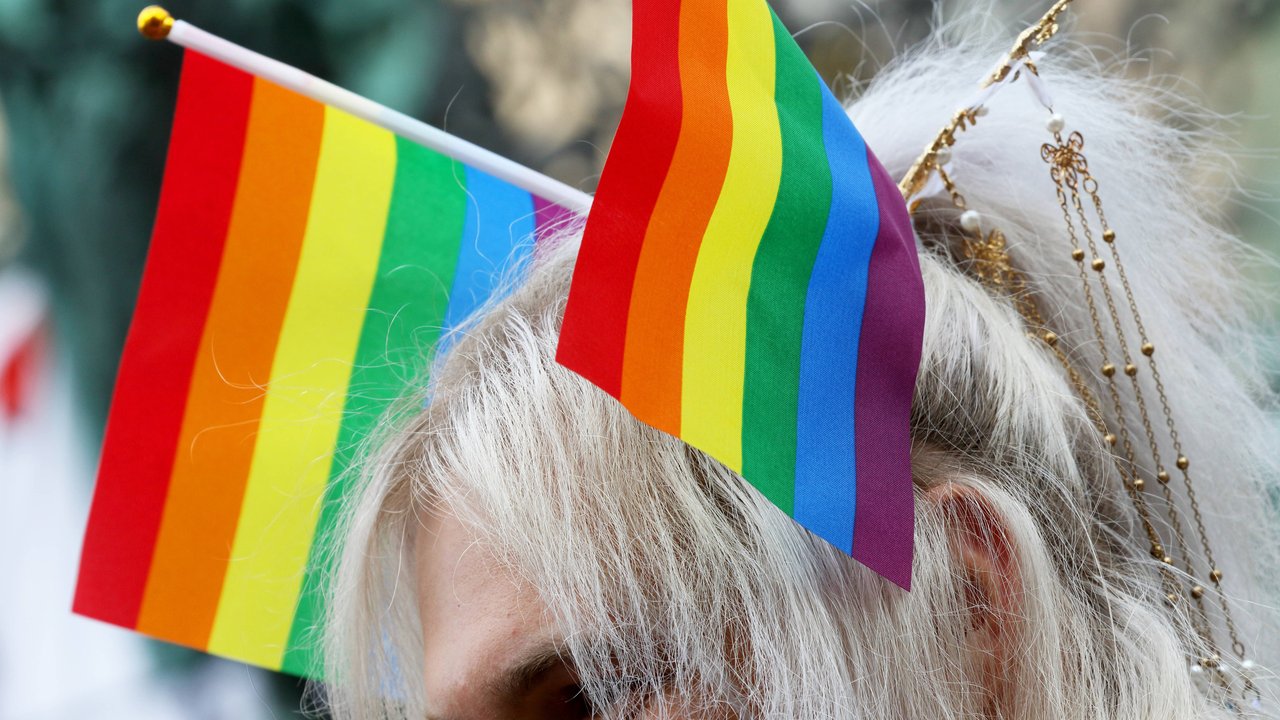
x=151, y=389
x=595, y=330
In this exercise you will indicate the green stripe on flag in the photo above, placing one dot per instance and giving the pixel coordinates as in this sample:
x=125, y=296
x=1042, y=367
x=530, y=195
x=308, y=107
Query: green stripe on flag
x=406, y=311
x=780, y=279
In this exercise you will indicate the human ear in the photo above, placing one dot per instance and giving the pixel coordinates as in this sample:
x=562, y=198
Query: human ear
x=984, y=557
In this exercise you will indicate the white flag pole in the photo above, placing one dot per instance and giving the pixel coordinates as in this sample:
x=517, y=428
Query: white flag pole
x=157, y=24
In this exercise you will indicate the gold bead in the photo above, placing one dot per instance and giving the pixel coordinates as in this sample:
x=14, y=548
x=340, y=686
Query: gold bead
x=1166, y=560
x=1163, y=477
x=1170, y=599
x=1109, y=439
x=1148, y=349
x=1108, y=369
x=1050, y=339
x=1139, y=483
x=1098, y=264
x=1211, y=661
x=1216, y=576
x=154, y=22
x=1197, y=591
x=1157, y=551
x=1109, y=235
x=1130, y=369
x=1077, y=255
x=1183, y=463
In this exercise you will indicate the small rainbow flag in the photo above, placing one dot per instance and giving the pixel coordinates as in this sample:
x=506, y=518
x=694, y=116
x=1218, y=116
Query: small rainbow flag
x=302, y=266
x=748, y=279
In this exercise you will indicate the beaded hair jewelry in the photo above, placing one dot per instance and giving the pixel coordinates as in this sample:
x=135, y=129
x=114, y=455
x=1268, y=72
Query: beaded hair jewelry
x=1109, y=299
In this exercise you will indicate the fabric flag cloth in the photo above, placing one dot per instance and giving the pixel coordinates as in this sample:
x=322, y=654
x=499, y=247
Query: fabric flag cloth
x=303, y=264
x=748, y=279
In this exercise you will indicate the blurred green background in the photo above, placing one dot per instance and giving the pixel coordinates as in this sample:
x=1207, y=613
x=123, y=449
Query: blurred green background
x=85, y=105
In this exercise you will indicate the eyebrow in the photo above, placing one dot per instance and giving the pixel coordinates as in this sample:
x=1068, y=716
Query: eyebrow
x=525, y=674
x=520, y=677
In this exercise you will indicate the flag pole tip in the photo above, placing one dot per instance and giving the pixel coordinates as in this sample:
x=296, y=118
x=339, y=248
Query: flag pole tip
x=154, y=22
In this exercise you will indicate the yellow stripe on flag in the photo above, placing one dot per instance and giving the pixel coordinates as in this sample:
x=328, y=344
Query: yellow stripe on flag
x=309, y=377
x=715, y=334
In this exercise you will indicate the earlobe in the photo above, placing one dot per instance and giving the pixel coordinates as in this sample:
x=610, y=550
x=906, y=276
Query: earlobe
x=984, y=556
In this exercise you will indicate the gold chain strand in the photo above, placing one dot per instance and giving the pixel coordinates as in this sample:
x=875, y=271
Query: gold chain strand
x=1016, y=289
x=1069, y=170
x=993, y=269
x=1133, y=484
x=1089, y=184
x=1030, y=39
x=1015, y=286
x=990, y=263
x=1128, y=469
x=1067, y=166
x=956, y=198
x=1148, y=350
x=992, y=266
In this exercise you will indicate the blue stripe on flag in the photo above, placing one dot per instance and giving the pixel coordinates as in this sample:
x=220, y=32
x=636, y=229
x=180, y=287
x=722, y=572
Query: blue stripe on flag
x=496, y=237
x=826, y=479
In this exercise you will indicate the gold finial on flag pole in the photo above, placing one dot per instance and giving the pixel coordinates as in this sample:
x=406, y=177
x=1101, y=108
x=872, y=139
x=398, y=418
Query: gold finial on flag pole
x=154, y=22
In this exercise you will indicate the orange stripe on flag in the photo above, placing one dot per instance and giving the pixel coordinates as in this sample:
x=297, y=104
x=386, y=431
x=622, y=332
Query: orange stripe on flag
x=654, y=360
x=304, y=406
x=225, y=399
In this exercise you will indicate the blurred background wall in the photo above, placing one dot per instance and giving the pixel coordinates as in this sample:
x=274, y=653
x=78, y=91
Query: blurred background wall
x=84, y=111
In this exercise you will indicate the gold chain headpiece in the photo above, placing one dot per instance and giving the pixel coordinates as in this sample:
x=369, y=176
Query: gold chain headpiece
x=1112, y=303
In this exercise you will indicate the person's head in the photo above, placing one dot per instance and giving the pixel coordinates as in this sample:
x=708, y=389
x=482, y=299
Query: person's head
x=522, y=547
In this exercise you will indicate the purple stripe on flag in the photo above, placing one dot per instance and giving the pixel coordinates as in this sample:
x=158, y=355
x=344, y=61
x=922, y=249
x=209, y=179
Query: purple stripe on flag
x=550, y=218
x=888, y=359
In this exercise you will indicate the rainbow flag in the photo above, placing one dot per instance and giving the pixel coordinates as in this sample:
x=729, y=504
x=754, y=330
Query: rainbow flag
x=302, y=266
x=748, y=279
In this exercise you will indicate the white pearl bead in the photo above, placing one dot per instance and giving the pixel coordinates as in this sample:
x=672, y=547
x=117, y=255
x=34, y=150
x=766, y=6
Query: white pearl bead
x=1196, y=669
x=971, y=221
x=1247, y=665
x=1056, y=123
x=942, y=156
x=981, y=110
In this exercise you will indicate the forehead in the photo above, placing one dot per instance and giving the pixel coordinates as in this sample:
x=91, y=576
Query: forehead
x=476, y=616
x=455, y=573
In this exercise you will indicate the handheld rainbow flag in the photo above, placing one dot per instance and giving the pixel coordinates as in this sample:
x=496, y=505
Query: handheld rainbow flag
x=302, y=265
x=748, y=279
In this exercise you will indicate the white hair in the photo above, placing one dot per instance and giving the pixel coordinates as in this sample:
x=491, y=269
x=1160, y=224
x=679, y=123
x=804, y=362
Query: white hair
x=663, y=570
